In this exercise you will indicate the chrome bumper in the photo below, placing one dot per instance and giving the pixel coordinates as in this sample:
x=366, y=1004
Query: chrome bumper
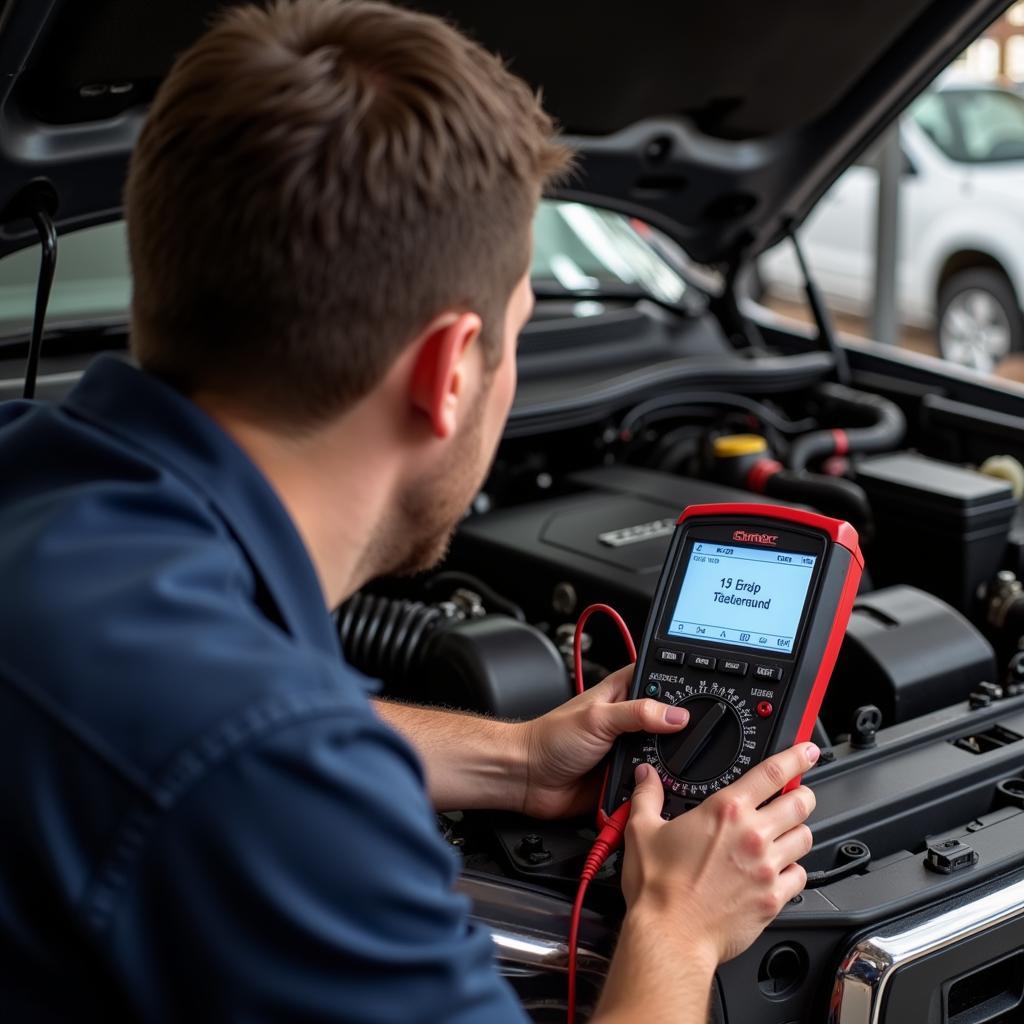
x=867, y=971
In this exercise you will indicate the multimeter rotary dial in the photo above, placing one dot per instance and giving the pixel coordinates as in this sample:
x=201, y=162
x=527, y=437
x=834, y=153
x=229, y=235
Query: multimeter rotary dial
x=709, y=749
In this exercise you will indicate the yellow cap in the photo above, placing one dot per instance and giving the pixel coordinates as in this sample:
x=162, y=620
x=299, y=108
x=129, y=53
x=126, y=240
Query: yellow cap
x=1005, y=467
x=731, y=446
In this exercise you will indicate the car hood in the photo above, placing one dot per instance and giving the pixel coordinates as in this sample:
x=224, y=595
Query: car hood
x=721, y=123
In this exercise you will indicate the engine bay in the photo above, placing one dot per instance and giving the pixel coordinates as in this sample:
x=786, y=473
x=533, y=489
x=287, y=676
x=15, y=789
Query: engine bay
x=920, y=790
x=624, y=417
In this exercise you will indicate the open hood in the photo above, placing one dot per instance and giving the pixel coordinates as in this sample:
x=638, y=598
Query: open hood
x=722, y=123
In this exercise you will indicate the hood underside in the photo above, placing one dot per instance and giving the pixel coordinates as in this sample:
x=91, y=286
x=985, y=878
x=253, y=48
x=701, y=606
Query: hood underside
x=722, y=123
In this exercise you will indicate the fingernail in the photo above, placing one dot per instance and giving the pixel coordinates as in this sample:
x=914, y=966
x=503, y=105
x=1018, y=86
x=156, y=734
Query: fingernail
x=676, y=716
x=641, y=772
x=813, y=753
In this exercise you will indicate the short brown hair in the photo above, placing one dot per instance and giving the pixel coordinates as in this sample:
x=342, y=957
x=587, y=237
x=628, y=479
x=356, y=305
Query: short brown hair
x=314, y=182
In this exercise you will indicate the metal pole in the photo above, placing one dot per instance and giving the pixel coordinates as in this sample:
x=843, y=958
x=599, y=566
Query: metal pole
x=885, y=323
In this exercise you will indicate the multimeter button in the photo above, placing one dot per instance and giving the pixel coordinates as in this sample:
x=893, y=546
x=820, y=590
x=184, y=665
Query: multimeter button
x=666, y=655
x=732, y=668
x=764, y=708
x=700, y=661
x=767, y=673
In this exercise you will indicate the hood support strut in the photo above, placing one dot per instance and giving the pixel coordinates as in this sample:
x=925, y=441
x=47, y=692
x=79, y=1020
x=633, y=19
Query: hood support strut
x=826, y=329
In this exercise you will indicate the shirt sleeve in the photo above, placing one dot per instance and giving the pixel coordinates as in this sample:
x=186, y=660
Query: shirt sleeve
x=304, y=880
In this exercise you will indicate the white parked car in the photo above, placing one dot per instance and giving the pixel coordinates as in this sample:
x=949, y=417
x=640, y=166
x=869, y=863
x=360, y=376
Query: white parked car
x=961, y=232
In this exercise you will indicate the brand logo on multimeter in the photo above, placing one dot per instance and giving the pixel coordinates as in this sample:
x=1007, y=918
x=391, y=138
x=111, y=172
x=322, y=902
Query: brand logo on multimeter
x=756, y=538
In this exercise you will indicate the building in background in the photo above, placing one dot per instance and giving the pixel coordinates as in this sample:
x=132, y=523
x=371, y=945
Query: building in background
x=998, y=53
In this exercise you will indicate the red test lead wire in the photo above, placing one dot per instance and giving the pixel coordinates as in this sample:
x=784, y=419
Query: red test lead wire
x=577, y=640
x=608, y=841
x=609, y=836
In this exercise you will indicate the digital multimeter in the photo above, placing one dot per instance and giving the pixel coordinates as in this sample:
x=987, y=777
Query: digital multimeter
x=747, y=620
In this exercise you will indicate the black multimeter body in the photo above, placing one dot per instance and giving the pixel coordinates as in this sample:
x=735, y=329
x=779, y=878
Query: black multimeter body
x=746, y=623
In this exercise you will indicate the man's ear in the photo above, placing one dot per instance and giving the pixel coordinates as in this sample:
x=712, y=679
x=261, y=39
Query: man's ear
x=439, y=373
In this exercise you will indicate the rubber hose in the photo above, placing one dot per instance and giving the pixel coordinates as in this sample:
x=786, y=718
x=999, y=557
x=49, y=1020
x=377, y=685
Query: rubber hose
x=885, y=431
x=385, y=637
x=834, y=496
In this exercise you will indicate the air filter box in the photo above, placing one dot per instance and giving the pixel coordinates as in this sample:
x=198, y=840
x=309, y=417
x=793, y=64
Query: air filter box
x=908, y=653
x=937, y=526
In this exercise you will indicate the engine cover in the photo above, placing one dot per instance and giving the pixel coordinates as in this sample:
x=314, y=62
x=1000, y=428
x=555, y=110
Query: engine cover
x=604, y=544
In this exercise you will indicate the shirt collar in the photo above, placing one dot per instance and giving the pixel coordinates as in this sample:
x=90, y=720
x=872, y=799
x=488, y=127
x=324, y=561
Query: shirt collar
x=148, y=414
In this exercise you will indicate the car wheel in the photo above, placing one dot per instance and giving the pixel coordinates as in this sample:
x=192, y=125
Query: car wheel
x=979, y=319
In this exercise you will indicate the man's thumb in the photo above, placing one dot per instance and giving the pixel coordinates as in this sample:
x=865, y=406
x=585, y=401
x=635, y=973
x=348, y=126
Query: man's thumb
x=643, y=715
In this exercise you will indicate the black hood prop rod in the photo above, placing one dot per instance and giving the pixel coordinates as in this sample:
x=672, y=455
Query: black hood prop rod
x=822, y=319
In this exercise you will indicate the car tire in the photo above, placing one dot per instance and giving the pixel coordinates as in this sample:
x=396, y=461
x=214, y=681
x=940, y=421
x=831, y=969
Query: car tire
x=979, y=319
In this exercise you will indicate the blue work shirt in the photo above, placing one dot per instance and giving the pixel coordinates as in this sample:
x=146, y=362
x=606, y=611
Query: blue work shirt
x=201, y=816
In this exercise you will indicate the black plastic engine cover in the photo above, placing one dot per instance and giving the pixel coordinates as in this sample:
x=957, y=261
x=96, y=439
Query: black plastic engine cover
x=908, y=653
x=604, y=544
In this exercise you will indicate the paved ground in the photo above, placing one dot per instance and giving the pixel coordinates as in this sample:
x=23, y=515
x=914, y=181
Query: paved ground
x=911, y=338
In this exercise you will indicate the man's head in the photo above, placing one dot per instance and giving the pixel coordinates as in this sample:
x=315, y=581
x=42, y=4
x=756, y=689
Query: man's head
x=315, y=181
x=321, y=184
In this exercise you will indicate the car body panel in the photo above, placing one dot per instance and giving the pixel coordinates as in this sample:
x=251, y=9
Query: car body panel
x=720, y=154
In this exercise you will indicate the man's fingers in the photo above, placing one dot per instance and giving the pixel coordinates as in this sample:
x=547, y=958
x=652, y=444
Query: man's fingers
x=793, y=845
x=788, y=810
x=791, y=882
x=767, y=778
x=648, y=796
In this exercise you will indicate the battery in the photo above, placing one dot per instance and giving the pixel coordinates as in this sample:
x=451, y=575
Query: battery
x=940, y=527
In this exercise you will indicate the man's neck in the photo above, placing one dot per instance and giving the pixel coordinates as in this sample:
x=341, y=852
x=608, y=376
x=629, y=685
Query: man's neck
x=334, y=484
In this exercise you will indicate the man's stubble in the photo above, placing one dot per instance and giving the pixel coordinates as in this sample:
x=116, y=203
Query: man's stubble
x=417, y=535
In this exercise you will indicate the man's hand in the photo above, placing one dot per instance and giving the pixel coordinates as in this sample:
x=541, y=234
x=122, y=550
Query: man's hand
x=727, y=867
x=564, y=746
x=545, y=767
x=702, y=887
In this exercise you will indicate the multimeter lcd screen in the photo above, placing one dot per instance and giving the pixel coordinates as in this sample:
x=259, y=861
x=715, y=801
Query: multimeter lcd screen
x=735, y=594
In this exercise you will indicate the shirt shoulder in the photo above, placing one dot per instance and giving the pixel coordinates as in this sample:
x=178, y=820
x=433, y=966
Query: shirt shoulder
x=142, y=626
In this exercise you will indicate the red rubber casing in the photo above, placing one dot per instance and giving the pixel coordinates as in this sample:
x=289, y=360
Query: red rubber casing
x=807, y=669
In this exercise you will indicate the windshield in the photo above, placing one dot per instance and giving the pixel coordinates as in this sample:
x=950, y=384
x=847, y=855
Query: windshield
x=578, y=250
x=974, y=125
x=584, y=250
x=91, y=283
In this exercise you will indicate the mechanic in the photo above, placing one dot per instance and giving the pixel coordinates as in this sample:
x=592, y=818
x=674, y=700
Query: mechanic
x=206, y=815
